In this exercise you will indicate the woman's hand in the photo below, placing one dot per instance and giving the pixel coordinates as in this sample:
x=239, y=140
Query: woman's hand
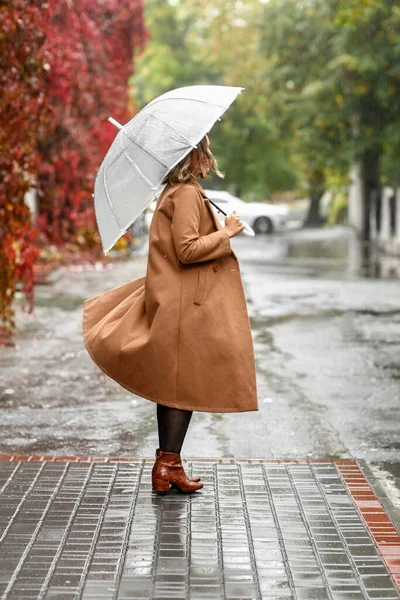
x=233, y=224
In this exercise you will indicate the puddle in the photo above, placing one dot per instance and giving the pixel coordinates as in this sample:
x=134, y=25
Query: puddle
x=388, y=475
x=346, y=253
x=260, y=323
x=321, y=252
x=375, y=264
x=63, y=301
x=317, y=249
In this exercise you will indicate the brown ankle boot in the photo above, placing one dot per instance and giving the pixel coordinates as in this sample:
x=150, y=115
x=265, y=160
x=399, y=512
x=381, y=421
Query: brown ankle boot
x=168, y=471
x=196, y=479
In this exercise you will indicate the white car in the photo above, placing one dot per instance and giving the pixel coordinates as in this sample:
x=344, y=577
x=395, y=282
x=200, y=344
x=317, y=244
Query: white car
x=262, y=217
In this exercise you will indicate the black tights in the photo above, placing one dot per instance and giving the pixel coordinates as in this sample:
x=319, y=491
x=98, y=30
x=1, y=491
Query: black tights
x=172, y=427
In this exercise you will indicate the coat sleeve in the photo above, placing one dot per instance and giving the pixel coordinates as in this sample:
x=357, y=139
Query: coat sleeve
x=190, y=247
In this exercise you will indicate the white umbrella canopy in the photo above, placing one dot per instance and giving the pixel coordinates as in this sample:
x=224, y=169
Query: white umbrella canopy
x=147, y=148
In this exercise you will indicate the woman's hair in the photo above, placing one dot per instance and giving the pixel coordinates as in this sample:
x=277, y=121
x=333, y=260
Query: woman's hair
x=182, y=172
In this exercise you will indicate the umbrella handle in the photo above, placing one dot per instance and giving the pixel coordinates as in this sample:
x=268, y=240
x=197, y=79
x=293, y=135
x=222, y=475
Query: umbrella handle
x=248, y=230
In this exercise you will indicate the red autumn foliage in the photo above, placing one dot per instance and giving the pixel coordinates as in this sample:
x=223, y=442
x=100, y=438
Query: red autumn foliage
x=90, y=50
x=22, y=113
x=65, y=67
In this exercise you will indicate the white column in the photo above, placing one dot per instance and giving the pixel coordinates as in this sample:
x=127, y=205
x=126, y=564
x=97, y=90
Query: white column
x=384, y=235
x=356, y=208
x=372, y=216
x=397, y=232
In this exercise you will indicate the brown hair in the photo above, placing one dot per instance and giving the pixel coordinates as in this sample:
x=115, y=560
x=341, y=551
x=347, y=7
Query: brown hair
x=182, y=172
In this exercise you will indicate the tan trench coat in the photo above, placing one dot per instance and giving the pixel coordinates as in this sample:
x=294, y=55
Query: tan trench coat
x=179, y=336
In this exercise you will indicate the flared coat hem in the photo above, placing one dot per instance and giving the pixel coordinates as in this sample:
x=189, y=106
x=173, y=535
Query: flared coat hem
x=159, y=401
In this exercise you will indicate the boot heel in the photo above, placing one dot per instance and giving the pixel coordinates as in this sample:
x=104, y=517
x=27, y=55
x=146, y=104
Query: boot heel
x=159, y=485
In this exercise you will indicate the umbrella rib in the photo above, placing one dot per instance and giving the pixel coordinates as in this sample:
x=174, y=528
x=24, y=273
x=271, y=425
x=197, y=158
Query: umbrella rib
x=170, y=127
x=141, y=174
x=167, y=125
x=144, y=149
x=109, y=197
x=180, y=134
x=141, y=147
x=157, y=100
x=149, y=153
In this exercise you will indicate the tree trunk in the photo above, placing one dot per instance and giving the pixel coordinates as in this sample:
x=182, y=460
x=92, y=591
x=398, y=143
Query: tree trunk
x=370, y=178
x=314, y=218
x=316, y=185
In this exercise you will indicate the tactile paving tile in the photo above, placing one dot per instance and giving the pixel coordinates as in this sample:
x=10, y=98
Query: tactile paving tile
x=258, y=529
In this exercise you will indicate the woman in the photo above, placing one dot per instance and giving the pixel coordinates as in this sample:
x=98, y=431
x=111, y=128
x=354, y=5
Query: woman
x=180, y=336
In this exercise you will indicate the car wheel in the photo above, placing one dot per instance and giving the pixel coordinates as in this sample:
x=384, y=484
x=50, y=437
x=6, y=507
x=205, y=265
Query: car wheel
x=263, y=225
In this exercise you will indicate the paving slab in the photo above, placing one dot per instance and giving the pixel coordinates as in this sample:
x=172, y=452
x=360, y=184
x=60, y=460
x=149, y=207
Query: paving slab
x=92, y=528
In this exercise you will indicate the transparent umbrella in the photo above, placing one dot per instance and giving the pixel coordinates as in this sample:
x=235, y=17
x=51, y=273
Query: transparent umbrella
x=147, y=148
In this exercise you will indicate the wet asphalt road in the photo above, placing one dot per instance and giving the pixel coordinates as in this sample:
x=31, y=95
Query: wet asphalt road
x=327, y=343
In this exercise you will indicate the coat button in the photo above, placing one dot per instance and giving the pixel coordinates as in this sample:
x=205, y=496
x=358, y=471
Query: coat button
x=215, y=268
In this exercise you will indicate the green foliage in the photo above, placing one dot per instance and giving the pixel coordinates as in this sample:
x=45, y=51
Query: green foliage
x=247, y=142
x=251, y=156
x=338, y=210
x=171, y=58
x=321, y=79
x=342, y=59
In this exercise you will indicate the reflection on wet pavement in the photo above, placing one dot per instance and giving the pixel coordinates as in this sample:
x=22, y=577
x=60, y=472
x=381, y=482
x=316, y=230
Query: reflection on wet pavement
x=320, y=252
x=327, y=345
x=261, y=529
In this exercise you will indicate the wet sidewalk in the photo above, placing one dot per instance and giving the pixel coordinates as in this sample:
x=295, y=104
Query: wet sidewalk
x=93, y=529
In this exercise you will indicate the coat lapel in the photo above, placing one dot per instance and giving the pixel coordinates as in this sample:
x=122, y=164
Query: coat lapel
x=208, y=204
x=214, y=216
x=212, y=213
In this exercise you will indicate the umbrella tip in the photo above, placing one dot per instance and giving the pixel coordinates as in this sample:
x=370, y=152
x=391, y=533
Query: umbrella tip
x=114, y=122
